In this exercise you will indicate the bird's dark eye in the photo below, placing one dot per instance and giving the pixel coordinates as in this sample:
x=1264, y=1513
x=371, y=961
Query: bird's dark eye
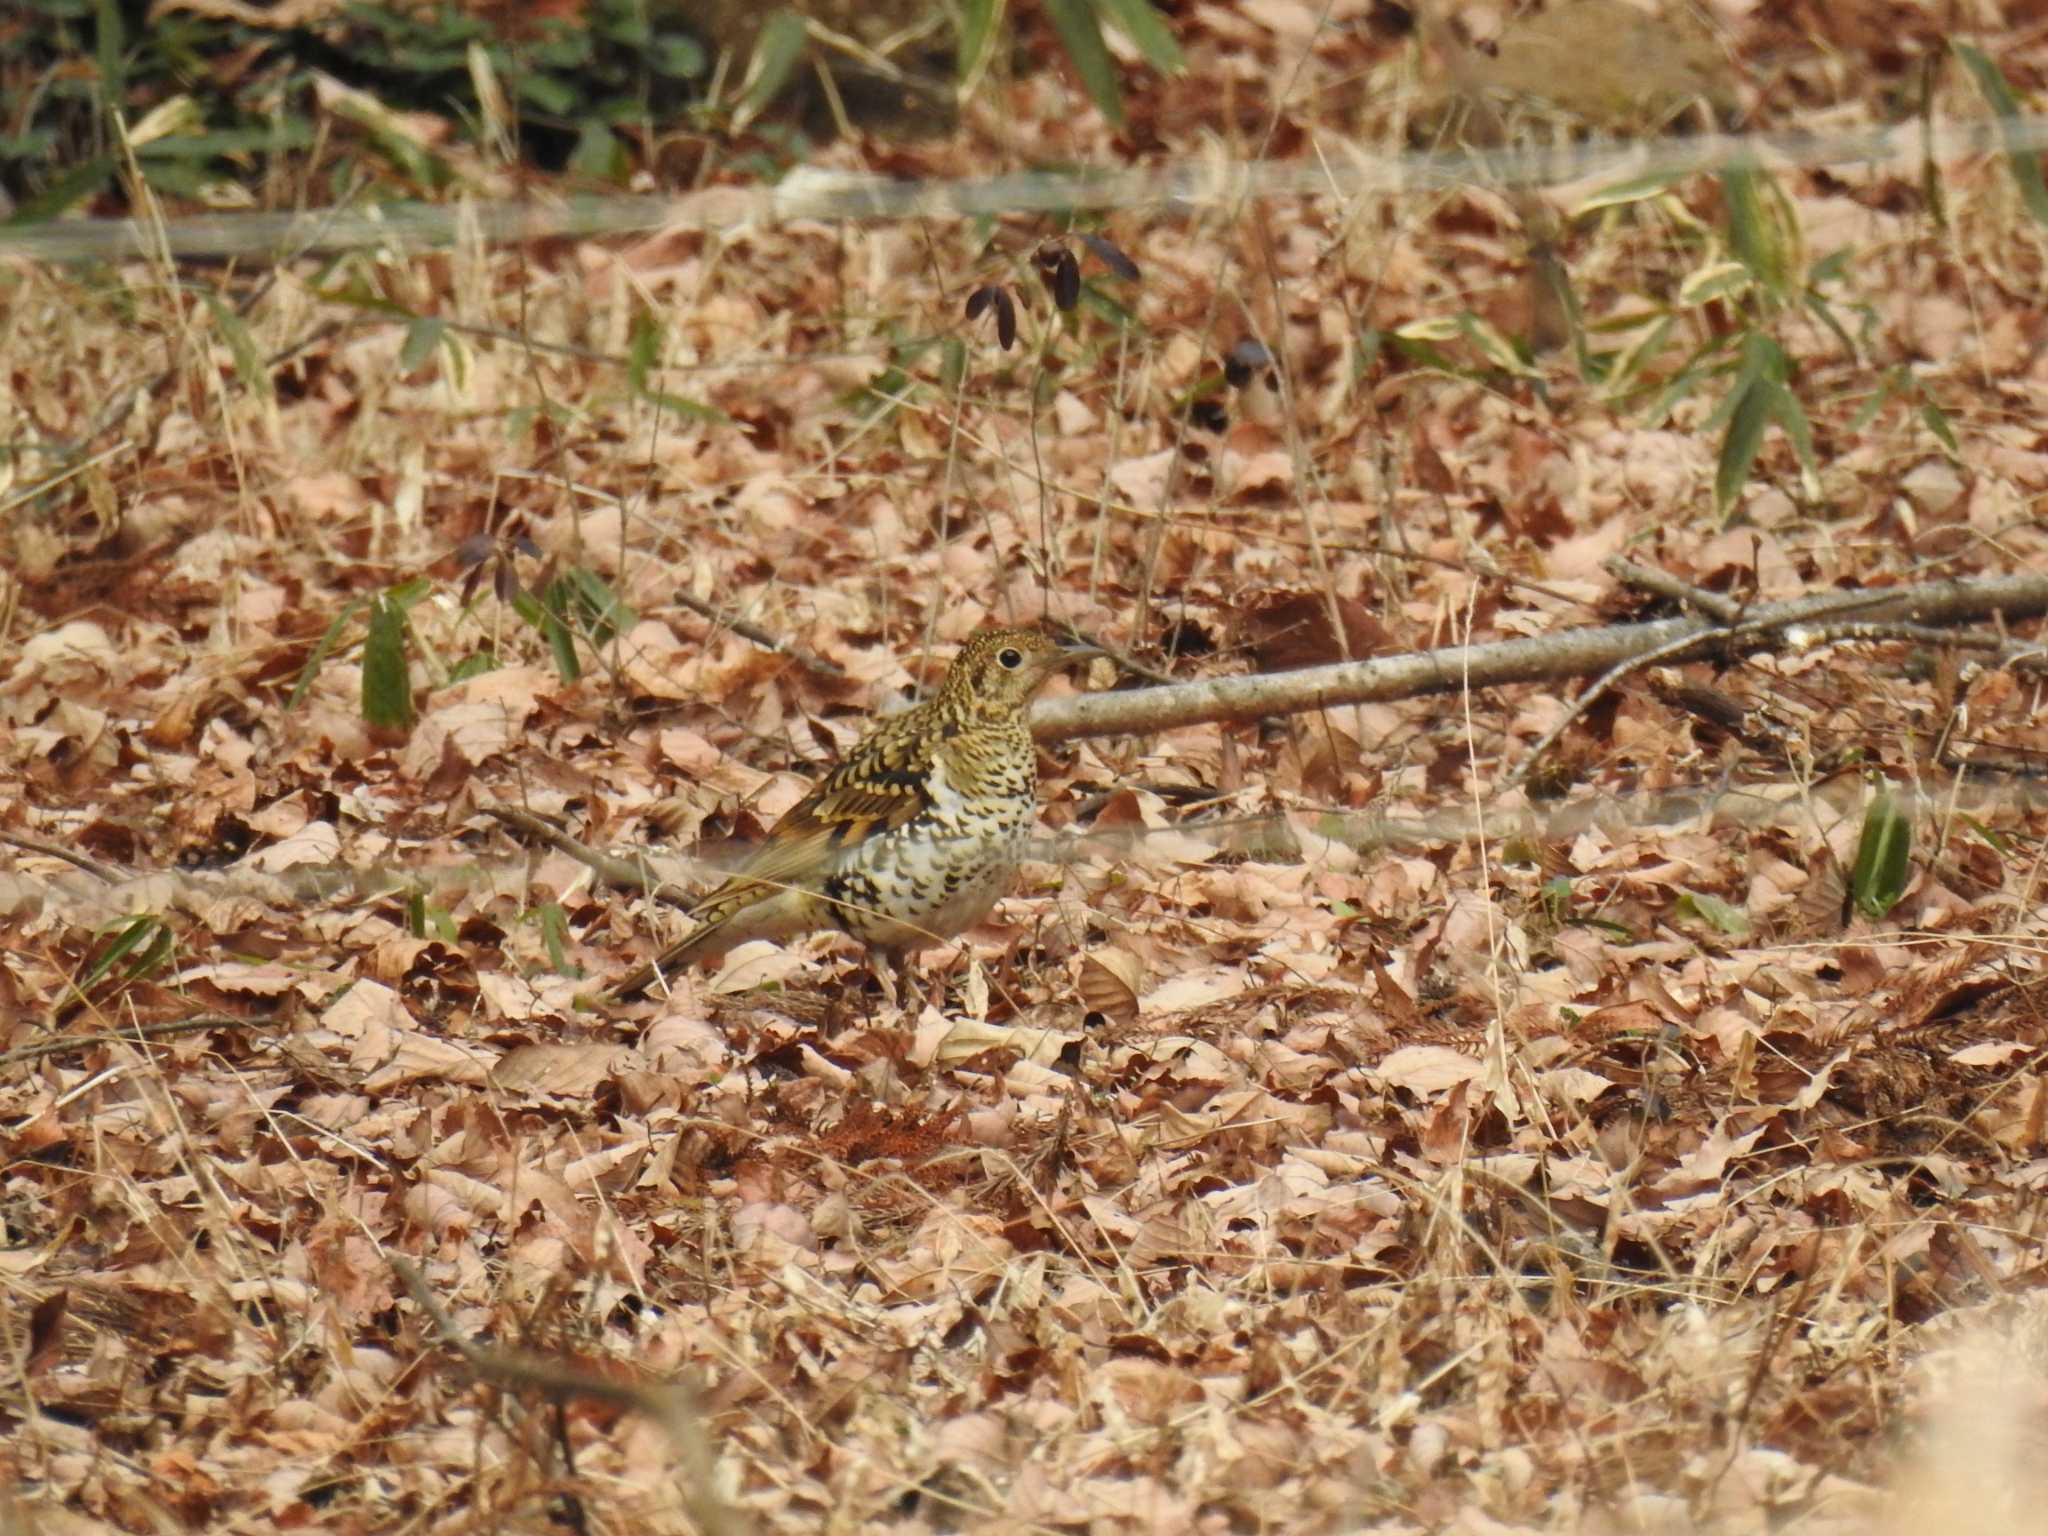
x=1012, y=658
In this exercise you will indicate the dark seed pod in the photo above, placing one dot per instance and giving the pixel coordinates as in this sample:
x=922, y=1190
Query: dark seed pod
x=1111, y=257
x=1061, y=273
x=996, y=297
x=1242, y=359
x=1209, y=416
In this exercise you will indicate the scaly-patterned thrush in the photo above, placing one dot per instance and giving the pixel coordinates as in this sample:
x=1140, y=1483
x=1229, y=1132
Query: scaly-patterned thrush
x=914, y=836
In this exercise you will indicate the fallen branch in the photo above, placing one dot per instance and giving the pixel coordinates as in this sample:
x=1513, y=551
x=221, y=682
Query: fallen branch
x=626, y=873
x=135, y=1034
x=67, y=855
x=1553, y=658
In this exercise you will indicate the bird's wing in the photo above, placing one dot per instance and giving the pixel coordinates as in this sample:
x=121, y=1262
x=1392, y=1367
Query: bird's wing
x=883, y=784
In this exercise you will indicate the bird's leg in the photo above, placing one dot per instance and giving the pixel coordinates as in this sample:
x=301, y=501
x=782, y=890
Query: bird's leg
x=899, y=981
x=913, y=991
x=885, y=963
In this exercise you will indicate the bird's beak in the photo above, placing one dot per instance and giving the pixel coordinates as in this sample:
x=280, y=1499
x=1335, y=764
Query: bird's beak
x=1070, y=654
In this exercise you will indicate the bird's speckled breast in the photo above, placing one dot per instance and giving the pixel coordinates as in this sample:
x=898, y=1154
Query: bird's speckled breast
x=946, y=869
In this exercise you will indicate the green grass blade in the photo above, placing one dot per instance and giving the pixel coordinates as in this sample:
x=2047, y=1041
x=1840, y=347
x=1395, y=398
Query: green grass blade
x=321, y=652
x=2025, y=164
x=1080, y=29
x=387, y=690
x=777, y=52
x=146, y=937
x=1741, y=443
x=1883, y=857
x=980, y=23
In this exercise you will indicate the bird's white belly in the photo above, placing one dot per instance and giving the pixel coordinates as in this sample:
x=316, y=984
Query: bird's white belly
x=932, y=880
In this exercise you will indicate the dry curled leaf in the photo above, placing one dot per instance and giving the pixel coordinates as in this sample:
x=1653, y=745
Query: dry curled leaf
x=1110, y=982
x=1285, y=630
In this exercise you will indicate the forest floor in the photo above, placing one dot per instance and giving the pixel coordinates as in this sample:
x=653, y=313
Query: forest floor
x=1347, y=1124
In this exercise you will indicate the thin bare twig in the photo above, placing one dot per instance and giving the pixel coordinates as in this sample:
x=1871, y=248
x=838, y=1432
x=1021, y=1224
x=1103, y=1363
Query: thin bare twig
x=670, y=1404
x=69, y=856
x=817, y=665
x=627, y=874
x=2005, y=653
x=1125, y=662
x=1723, y=610
x=1601, y=688
x=130, y=1036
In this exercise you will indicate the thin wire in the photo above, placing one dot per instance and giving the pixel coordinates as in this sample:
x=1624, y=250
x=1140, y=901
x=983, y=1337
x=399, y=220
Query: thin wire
x=1339, y=168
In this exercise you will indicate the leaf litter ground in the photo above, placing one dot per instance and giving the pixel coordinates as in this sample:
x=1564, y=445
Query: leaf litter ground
x=1321, y=1139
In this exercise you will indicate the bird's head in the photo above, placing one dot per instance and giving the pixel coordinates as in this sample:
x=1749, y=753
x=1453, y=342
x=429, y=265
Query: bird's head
x=998, y=670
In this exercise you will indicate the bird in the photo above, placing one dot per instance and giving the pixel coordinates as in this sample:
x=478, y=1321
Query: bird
x=913, y=837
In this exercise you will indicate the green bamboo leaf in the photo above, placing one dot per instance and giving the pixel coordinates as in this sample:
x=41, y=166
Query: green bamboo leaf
x=952, y=364
x=1703, y=362
x=1741, y=443
x=1760, y=227
x=1097, y=300
x=643, y=350
x=1825, y=313
x=643, y=355
x=421, y=337
x=111, y=43
x=250, y=367
x=409, y=593
x=1790, y=416
x=1080, y=29
x=357, y=293
x=1493, y=346
x=598, y=153
x=393, y=138
x=1937, y=423
x=144, y=936
x=1880, y=397
x=1996, y=839
x=1431, y=328
x=603, y=612
x=1429, y=355
x=1883, y=857
x=980, y=23
x=1148, y=32
x=1722, y=916
x=428, y=921
x=560, y=642
x=321, y=652
x=2025, y=164
x=1761, y=358
x=777, y=52
x=1716, y=280
x=387, y=690
x=67, y=190
x=1636, y=189
x=1629, y=361
x=554, y=934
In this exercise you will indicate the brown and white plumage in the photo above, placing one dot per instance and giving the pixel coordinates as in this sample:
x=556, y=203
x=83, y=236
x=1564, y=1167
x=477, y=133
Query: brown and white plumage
x=914, y=836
